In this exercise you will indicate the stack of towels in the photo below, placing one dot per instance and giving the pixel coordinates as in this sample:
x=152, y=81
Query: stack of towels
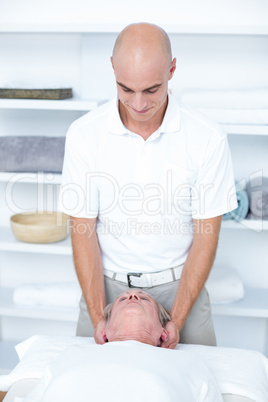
x=224, y=285
x=50, y=294
x=31, y=154
x=230, y=106
x=252, y=200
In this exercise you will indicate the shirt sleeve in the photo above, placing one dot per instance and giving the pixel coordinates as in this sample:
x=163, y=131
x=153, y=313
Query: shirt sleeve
x=214, y=192
x=78, y=195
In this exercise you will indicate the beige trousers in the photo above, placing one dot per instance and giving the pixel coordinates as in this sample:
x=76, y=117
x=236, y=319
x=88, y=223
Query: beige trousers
x=198, y=328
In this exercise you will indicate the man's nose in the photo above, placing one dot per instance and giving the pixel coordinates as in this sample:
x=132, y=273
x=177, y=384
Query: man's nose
x=139, y=102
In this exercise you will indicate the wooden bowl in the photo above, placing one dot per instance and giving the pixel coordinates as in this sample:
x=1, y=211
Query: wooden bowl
x=40, y=227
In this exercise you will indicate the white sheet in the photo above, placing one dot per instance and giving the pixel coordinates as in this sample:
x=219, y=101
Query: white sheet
x=121, y=371
x=238, y=371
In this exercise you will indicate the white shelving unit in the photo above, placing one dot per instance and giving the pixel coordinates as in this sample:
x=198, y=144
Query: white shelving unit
x=82, y=52
x=38, y=104
x=8, y=242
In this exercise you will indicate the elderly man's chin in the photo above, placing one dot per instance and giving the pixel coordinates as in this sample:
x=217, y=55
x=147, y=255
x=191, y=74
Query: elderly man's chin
x=142, y=338
x=135, y=330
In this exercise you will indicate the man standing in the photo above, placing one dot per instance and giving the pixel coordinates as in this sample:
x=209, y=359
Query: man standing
x=146, y=182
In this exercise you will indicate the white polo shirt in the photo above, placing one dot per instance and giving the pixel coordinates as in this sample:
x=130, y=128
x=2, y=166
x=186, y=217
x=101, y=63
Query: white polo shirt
x=145, y=194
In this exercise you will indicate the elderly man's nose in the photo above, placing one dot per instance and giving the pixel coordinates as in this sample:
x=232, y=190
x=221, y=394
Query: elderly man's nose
x=134, y=296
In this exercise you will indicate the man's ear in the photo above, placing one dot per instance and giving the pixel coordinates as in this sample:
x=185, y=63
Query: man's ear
x=164, y=335
x=112, y=61
x=172, y=68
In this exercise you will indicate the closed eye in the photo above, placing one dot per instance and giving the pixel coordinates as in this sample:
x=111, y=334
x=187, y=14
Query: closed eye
x=151, y=91
x=127, y=90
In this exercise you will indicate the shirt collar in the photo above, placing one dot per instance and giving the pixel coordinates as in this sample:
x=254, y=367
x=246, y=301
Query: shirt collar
x=115, y=124
x=172, y=118
x=171, y=121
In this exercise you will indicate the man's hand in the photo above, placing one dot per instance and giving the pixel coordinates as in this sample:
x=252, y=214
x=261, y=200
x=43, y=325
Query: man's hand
x=99, y=334
x=173, y=336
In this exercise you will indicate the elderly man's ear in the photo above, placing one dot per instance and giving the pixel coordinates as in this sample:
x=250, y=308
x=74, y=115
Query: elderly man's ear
x=164, y=335
x=104, y=334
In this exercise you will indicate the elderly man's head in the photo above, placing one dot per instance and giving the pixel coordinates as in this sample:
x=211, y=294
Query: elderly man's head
x=143, y=65
x=135, y=315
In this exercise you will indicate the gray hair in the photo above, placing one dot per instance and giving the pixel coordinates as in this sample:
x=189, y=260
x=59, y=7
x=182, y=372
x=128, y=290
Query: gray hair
x=163, y=313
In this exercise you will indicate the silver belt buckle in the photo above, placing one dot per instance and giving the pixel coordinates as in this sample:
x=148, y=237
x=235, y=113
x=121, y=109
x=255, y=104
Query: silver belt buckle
x=138, y=275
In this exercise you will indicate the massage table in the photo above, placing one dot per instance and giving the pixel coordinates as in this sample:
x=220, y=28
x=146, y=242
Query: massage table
x=23, y=387
x=242, y=375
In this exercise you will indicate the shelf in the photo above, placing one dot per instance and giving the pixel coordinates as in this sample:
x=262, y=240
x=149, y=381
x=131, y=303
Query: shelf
x=246, y=129
x=8, y=242
x=254, y=304
x=250, y=224
x=108, y=27
x=43, y=104
x=34, y=178
x=8, y=308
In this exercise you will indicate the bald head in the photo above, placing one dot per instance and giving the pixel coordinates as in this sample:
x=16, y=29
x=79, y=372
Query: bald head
x=143, y=66
x=142, y=40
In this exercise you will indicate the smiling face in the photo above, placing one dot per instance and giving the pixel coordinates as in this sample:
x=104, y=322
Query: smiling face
x=143, y=66
x=134, y=316
x=142, y=94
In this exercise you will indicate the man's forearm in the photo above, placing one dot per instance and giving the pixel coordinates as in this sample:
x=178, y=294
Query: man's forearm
x=196, y=268
x=88, y=265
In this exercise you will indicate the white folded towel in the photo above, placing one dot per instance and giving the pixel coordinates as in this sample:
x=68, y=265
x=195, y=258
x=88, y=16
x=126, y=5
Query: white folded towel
x=53, y=294
x=255, y=98
x=236, y=116
x=224, y=285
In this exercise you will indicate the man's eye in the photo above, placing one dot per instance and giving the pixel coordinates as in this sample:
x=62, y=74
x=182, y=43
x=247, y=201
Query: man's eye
x=144, y=298
x=152, y=91
x=122, y=298
x=126, y=90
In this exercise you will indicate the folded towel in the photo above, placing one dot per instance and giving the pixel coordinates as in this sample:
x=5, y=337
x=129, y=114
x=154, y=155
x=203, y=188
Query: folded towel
x=236, y=116
x=54, y=294
x=31, y=154
x=255, y=98
x=243, y=207
x=257, y=189
x=224, y=285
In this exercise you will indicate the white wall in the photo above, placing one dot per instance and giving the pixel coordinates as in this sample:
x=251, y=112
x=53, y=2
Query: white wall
x=179, y=12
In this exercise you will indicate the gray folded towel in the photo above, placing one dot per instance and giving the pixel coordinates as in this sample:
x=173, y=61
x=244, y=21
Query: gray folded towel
x=31, y=154
x=257, y=190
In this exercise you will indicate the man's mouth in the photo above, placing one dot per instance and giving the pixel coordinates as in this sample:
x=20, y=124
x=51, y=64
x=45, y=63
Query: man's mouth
x=140, y=111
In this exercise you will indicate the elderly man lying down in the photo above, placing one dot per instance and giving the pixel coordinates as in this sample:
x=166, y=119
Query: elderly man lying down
x=129, y=367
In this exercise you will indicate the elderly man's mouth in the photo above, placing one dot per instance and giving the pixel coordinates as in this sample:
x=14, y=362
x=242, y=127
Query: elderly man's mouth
x=133, y=301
